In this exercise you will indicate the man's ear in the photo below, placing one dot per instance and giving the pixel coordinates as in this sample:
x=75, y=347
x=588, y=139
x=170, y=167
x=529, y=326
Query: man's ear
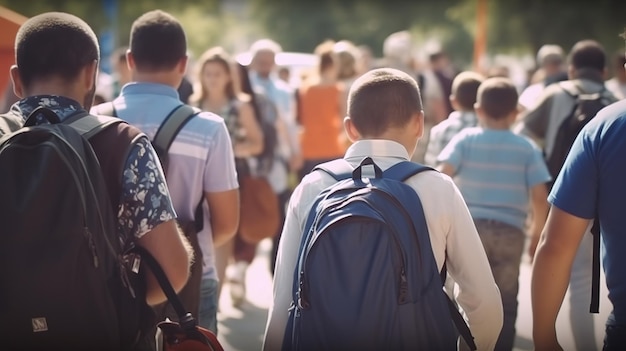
x=18, y=86
x=182, y=65
x=351, y=131
x=130, y=61
x=90, y=75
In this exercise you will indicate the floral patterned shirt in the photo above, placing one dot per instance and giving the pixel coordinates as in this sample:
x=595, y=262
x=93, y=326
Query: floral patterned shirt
x=145, y=200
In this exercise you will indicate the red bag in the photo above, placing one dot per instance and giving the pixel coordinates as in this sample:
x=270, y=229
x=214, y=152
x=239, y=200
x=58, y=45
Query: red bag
x=185, y=335
x=177, y=338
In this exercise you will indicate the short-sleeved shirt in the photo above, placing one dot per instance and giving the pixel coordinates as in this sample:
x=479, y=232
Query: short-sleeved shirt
x=442, y=133
x=145, y=201
x=495, y=170
x=200, y=159
x=593, y=181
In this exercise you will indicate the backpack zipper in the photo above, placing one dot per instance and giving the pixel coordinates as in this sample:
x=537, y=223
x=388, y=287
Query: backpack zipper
x=92, y=190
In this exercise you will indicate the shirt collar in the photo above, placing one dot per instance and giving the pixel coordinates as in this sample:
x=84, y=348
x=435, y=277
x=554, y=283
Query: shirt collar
x=378, y=148
x=149, y=88
x=590, y=74
x=61, y=105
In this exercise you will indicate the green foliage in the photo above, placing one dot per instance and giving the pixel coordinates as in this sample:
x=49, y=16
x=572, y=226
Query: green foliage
x=92, y=11
x=514, y=26
x=532, y=23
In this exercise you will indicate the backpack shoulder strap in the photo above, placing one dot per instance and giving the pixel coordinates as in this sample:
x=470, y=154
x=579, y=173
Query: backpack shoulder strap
x=172, y=124
x=401, y=172
x=404, y=170
x=339, y=169
x=89, y=125
x=594, y=307
x=571, y=89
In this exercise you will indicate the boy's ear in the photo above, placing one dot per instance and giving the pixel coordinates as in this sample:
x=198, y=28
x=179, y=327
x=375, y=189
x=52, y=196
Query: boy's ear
x=417, y=124
x=351, y=131
x=455, y=103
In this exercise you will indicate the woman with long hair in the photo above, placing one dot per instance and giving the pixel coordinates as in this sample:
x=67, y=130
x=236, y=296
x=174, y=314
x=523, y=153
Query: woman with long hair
x=217, y=91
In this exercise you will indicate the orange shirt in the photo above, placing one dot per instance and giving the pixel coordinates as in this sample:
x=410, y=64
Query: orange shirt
x=321, y=122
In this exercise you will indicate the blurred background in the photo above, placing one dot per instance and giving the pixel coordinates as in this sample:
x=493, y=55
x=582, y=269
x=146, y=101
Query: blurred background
x=472, y=32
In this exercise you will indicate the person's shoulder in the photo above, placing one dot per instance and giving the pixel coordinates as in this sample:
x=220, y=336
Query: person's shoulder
x=523, y=141
x=470, y=132
x=431, y=182
x=10, y=122
x=612, y=117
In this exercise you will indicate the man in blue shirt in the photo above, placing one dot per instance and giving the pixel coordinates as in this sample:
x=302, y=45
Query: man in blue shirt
x=591, y=184
x=200, y=165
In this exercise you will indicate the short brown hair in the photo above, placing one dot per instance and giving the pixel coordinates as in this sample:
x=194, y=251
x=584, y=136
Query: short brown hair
x=497, y=97
x=465, y=87
x=383, y=98
x=157, y=41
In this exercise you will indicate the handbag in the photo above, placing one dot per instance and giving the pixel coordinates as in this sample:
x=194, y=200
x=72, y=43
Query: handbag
x=185, y=335
x=260, y=214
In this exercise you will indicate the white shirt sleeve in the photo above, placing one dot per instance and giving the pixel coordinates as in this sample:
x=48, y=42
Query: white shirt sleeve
x=454, y=239
x=286, y=261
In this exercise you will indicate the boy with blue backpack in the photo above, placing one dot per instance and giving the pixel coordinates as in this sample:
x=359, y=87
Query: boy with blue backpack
x=367, y=240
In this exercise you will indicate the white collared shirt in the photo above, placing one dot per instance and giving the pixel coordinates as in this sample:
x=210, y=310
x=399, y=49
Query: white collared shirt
x=452, y=233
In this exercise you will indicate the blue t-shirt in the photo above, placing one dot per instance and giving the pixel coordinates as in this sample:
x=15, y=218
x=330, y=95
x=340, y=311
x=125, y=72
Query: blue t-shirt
x=593, y=180
x=495, y=170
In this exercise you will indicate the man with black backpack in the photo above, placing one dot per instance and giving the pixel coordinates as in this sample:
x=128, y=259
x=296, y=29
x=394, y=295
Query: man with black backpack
x=367, y=240
x=199, y=165
x=79, y=192
x=554, y=122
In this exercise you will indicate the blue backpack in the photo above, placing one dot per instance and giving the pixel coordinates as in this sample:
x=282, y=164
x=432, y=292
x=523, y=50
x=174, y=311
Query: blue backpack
x=366, y=276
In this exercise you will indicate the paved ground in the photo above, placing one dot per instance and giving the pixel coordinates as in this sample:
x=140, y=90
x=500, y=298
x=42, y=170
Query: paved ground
x=242, y=329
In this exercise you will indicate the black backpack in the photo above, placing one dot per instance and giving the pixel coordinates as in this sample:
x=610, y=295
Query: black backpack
x=585, y=108
x=366, y=277
x=65, y=282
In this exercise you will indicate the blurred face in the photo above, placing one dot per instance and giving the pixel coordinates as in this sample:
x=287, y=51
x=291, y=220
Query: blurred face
x=263, y=63
x=215, y=77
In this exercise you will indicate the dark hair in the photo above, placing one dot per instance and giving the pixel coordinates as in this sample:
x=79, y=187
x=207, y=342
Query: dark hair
x=587, y=54
x=157, y=41
x=465, y=87
x=54, y=44
x=497, y=97
x=383, y=98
